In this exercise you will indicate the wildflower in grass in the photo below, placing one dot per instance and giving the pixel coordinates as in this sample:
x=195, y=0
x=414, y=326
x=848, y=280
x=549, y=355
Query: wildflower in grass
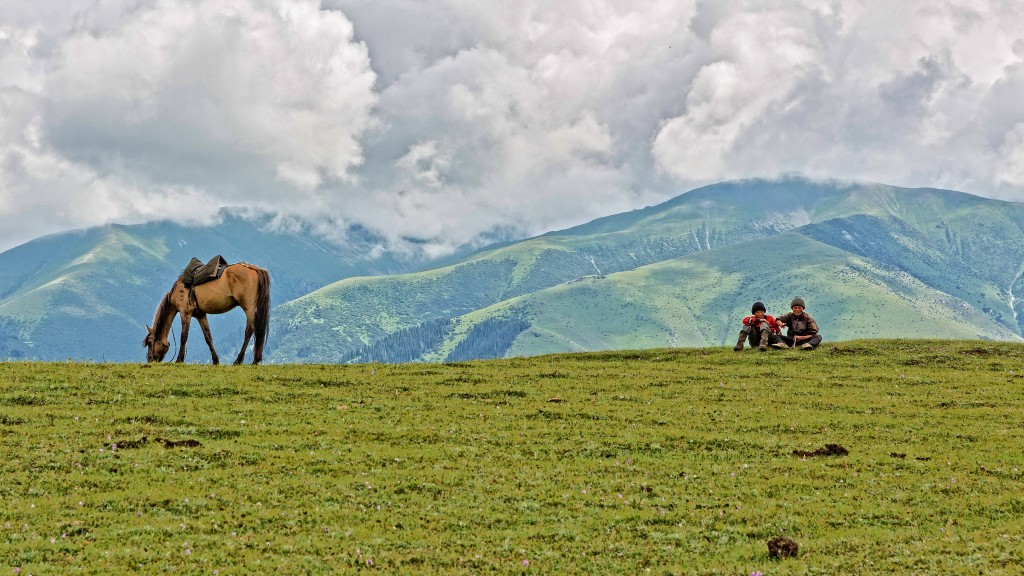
x=526, y=562
x=755, y=573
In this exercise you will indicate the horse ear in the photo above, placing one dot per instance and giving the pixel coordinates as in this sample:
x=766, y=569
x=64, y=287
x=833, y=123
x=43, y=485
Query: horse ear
x=148, y=329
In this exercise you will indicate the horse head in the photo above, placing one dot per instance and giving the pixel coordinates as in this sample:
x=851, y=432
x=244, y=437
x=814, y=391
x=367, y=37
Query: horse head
x=156, y=348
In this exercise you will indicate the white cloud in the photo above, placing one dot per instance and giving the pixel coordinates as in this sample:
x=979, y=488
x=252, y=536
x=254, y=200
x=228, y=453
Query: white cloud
x=440, y=121
x=138, y=111
x=277, y=92
x=910, y=93
x=1012, y=157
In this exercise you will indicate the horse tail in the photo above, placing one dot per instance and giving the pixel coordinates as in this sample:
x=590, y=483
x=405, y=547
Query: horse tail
x=262, y=320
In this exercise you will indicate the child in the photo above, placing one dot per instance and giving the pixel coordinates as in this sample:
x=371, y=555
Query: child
x=760, y=328
x=801, y=329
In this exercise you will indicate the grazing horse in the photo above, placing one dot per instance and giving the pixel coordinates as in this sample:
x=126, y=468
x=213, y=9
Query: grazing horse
x=240, y=284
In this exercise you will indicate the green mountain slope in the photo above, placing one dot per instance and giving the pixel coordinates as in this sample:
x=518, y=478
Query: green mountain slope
x=698, y=301
x=89, y=294
x=877, y=261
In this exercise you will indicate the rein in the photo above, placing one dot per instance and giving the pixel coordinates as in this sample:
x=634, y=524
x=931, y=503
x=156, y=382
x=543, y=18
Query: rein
x=175, y=339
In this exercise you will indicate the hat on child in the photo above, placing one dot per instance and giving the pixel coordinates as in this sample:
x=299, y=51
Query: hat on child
x=798, y=301
x=758, y=306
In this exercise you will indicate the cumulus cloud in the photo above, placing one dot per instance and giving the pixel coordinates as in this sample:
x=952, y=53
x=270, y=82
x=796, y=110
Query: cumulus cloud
x=912, y=93
x=437, y=124
x=133, y=111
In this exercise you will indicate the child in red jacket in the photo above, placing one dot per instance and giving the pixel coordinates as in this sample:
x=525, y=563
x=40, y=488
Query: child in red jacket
x=761, y=329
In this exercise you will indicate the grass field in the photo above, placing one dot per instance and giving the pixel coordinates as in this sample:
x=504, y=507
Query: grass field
x=673, y=461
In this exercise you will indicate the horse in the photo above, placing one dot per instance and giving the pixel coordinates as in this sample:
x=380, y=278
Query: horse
x=240, y=284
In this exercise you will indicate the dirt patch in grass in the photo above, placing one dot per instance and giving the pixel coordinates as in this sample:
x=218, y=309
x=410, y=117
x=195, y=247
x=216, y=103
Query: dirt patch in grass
x=135, y=444
x=782, y=547
x=828, y=450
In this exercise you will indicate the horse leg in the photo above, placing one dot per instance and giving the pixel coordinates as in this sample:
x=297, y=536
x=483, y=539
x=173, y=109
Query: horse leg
x=205, y=325
x=186, y=320
x=248, y=335
x=257, y=348
x=257, y=353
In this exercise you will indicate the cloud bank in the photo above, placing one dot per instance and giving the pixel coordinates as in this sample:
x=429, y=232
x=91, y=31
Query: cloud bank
x=436, y=124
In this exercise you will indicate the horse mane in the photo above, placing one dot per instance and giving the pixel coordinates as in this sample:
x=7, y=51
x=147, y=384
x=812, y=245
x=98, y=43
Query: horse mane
x=160, y=317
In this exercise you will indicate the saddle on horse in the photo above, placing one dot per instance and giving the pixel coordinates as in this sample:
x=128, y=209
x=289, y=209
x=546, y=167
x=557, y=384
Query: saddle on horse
x=197, y=273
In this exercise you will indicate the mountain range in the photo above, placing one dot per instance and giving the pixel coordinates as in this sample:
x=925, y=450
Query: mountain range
x=872, y=261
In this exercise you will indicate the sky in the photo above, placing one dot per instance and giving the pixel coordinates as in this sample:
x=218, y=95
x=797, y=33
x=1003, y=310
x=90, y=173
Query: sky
x=436, y=124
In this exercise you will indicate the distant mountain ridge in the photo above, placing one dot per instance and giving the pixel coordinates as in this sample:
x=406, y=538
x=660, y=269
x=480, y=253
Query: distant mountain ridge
x=890, y=251
x=871, y=260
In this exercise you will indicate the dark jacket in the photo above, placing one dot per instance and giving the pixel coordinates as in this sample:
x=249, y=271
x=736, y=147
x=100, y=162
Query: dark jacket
x=802, y=325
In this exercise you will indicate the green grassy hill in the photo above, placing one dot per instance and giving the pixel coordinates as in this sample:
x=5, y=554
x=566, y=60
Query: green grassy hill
x=875, y=457
x=699, y=299
x=871, y=260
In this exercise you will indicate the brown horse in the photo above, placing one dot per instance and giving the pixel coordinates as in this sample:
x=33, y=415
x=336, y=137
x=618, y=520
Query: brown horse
x=240, y=284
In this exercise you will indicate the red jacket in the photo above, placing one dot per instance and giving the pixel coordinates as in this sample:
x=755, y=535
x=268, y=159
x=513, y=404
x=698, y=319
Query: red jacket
x=754, y=321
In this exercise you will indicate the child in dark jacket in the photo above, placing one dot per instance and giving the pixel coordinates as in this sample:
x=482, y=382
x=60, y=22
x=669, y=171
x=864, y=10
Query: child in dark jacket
x=801, y=329
x=760, y=328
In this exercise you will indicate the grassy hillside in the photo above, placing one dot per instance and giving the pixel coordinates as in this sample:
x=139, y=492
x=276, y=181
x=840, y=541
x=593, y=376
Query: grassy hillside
x=875, y=261
x=700, y=300
x=680, y=461
x=305, y=328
